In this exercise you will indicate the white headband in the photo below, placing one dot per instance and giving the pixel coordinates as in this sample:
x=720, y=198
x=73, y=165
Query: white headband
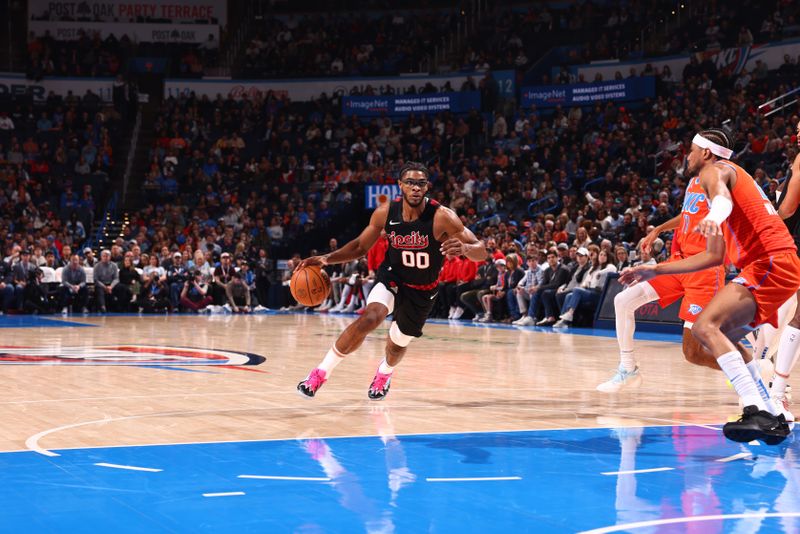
x=717, y=150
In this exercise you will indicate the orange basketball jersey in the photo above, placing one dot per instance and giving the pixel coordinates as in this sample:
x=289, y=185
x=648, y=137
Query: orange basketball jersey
x=756, y=230
x=685, y=241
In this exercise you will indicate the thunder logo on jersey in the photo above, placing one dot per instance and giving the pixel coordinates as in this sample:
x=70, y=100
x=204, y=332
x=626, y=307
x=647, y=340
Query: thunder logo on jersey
x=693, y=200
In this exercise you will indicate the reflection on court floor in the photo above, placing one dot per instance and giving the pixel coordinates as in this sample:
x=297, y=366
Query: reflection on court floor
x=672, y=477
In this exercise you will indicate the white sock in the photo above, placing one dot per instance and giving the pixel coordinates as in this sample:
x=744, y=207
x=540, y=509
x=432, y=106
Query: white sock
x=331, y=360
x=742, y=381
x=627, y=360
x=778, y=388
x=788, y=350
x=767, y=333
x=755, y=371
x=765, y=336
x=385, y=368
x=625, y=304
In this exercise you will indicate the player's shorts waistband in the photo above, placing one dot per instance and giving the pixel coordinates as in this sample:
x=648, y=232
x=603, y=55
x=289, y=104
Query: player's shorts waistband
x=428, y=287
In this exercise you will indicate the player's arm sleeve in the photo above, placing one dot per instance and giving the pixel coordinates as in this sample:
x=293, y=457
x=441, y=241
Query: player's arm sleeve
x=715, y=181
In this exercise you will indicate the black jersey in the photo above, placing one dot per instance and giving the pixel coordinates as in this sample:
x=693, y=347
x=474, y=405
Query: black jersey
x=413, y=257
x=793, y=222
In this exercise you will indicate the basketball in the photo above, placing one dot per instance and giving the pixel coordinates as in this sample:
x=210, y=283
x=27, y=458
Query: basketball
x=310, y=285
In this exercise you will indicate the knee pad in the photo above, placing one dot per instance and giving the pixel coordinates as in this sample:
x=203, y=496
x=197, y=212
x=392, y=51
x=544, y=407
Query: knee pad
x=397, y=337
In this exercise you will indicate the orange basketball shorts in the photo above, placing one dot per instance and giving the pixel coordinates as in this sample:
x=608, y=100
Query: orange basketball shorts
x=697, y=290
x=772, y=281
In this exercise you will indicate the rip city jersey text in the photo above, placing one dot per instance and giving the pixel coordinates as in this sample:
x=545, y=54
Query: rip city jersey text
x=413, y=257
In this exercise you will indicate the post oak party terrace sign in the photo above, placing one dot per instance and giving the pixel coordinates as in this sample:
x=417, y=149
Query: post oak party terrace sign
x=174, y=11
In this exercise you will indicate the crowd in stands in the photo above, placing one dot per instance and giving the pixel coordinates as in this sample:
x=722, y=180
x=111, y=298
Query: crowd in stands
x=351, y=44
x=93, y=56
x=562, y=197
x=265, y=178
x=56, y=158
x=514, y=38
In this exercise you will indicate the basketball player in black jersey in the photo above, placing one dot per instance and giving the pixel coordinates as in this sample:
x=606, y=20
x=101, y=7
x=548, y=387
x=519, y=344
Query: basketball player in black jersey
x=789, y=345
x=420, y=233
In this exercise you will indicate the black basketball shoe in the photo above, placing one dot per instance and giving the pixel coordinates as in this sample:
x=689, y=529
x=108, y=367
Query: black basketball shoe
x=757, y=424
x=380, y=386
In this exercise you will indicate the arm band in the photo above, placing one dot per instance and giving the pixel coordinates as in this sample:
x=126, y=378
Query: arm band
x=721, y=208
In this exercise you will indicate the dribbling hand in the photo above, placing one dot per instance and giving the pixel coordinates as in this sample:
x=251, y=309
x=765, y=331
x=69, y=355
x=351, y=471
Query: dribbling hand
x=640, y=273
x=311, y=261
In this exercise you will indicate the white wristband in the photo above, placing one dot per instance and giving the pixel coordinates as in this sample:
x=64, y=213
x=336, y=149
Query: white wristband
x=778, y=196
x=721, y=208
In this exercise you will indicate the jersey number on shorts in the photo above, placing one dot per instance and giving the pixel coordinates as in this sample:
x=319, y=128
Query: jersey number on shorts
x=420, y=260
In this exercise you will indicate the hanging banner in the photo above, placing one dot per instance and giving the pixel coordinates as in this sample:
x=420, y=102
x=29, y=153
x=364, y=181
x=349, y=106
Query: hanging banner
x=585, y=94
x=378, y=194
x=506, y=82
x=310, y=89
x=144, y=33
x=431, y=103
x=18, y=85
x=182, y=11
x=728, y=60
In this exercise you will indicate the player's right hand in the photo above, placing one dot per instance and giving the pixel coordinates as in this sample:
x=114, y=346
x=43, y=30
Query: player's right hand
x=647, y=242
x=311, y=261
x=708, y=228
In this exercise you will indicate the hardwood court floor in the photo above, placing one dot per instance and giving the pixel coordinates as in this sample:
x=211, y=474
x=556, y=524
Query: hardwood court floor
x=458, y=378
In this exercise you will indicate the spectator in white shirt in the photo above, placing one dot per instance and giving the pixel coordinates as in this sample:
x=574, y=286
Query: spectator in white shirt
x=6, y=124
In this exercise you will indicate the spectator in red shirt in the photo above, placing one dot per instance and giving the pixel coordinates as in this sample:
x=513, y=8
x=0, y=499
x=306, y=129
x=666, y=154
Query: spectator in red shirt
x=467, y=271
x=375, y=257
x=491, y=246
x=447, y=278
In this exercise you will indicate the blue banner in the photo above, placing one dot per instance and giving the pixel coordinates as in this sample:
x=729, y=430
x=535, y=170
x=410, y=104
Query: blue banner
x=505, y=82
x=586, y=94
x=378, y=194
x=148, y=64
x=397, y=105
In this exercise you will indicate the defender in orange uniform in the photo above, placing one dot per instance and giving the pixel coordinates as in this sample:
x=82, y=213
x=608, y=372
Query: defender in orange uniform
x=697, y=290
x=760, y=245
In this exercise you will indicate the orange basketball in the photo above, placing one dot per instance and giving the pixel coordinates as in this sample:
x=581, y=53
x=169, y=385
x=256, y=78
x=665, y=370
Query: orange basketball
x=310, y=286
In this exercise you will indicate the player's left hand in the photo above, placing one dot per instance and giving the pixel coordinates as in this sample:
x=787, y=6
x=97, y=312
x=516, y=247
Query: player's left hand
x=640, y=273
x=453, y=247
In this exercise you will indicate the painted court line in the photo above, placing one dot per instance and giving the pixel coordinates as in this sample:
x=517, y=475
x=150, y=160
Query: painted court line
x=224, y=494
x=636, y=471
x=32, y=443
x=738, y=456
x=679, y=520
x=129, y=467
x=274, y=477
x=471, y=479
